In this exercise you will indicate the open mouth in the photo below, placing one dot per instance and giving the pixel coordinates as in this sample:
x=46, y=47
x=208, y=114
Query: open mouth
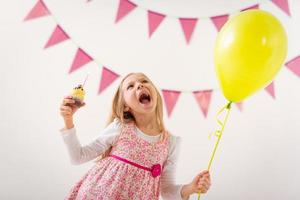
x=144, y=98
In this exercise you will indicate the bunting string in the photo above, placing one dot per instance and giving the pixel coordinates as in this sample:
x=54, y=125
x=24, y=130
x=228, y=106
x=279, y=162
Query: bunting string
x=188, y=24
x=108, y=76
x=281, y=4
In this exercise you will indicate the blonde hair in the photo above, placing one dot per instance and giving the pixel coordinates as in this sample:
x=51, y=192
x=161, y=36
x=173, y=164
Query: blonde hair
x=118, y=105
x=118, y=110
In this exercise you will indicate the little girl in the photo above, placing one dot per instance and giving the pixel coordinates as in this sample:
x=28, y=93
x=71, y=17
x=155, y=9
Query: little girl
x=138, y=155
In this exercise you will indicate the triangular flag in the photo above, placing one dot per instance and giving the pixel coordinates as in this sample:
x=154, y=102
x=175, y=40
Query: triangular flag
x=170, y=98
x=203, y=98
x=283, y=5
x=188, y=26
x=57, y=36
x=256, y=6
x=239, y=105
x=107, y=77
x=154, y=20
x=219, y=21
x=125, y=7
x=270, y=89
x=294, y=65
x=38, y=10
x=80, y=59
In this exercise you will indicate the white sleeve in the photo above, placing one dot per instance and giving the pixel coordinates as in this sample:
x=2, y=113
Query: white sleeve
x=81, y=154
x=169, y=189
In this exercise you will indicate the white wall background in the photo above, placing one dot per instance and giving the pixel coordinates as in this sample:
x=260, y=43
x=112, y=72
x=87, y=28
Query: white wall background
x=258, y=157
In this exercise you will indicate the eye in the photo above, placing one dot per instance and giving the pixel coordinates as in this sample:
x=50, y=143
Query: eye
x=144, y=81
x=129, y=86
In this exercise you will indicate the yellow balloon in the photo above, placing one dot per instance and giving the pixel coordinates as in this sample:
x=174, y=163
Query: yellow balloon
x=249, y=51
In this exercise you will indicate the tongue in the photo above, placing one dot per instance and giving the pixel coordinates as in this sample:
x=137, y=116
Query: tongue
x=144, y=101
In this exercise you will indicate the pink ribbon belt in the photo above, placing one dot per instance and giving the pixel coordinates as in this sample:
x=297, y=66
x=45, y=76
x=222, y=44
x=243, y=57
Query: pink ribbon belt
x=155, y=169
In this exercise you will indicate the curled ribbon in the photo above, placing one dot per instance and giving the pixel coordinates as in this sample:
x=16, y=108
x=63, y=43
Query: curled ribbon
x=218, y=133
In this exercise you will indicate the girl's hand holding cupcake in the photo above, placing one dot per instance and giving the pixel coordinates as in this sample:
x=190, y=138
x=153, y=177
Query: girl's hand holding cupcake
x=67, y=110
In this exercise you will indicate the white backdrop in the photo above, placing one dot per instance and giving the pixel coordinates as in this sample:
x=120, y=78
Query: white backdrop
x=258, y=157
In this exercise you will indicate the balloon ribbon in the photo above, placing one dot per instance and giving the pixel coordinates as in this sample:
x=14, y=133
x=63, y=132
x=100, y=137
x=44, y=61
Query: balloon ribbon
x=218, y=134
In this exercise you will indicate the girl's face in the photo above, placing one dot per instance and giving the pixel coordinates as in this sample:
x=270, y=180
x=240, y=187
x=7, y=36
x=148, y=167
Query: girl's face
x=139, y=94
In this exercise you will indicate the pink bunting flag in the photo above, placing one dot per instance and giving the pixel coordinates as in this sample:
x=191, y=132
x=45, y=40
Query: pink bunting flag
x=294, y=65
x=188, y=26
x=80, y=59
x=203, y=98
x=256, y=6
x=219, y=21
x=283, y=5
x=125, y=7
x=170, y=98
x=57, y=36
x=107, y=78
x=38, y=10
x=239, y=105
x=270, y=89
x=154, y=20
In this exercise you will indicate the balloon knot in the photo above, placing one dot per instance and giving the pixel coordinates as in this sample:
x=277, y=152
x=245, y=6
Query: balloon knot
x=228, y=106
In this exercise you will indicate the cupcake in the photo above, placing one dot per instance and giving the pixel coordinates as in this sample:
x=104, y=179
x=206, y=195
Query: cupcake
x=78, y=95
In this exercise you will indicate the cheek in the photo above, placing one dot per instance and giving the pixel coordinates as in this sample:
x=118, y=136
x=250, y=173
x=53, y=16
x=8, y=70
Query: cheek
x=154, y=98
x=128, y=98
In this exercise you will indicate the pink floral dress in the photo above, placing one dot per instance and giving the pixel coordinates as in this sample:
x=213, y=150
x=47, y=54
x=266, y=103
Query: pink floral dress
x=116, y=179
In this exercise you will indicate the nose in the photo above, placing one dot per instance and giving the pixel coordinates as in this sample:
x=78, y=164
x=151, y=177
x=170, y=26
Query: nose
x=140, y=86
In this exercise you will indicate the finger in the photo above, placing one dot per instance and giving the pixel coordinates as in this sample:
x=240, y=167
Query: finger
x=203, y=191
x=203, y=172
x=206, y=185
x=206, y=181
x=199, y=177
x=68, y=97
x=203, y=188
x=66, y=108
x=68, y=101
x=207, y=174
x=203, y=178
x=66, y=113
x=200, y=184
x=206, y=177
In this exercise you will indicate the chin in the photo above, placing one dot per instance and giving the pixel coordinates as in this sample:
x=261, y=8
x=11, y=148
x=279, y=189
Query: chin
x=147, y=108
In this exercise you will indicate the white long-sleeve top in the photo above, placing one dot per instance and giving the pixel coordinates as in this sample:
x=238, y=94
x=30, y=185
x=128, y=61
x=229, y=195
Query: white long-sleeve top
x=81, y=154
